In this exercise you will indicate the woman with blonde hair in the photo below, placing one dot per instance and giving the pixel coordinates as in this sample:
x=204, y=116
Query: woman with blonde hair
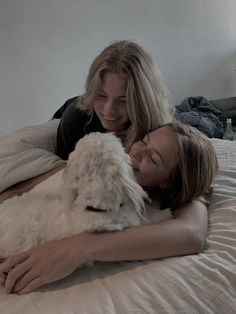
x=124, y=95
x=122, y=83
x=195, y=162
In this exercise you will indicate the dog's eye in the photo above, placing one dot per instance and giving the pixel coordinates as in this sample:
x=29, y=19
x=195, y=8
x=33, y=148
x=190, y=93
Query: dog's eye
x=122, y=204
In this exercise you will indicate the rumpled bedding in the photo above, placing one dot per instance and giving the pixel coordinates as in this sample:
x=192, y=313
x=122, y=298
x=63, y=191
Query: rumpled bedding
x=28, y=152
x=203, y=283
x=201, y=114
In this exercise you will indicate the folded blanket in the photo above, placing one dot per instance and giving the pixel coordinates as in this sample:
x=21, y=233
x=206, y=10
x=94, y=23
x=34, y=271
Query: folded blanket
x=200, y=113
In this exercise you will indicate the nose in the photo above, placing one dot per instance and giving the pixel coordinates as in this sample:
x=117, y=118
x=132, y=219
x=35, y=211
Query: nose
x=137, y=155
x=138, y=152
x=109, y=107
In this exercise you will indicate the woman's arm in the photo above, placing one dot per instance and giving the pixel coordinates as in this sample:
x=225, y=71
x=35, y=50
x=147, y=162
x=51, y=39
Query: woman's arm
x=27, y=185
x=184, y=234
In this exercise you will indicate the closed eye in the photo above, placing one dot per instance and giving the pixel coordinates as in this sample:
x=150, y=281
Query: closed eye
x=102, y=96
x=155, y=158
x=123, y=101
x=152, y=158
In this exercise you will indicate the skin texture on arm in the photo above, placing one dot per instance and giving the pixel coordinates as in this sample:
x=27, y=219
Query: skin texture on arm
x=184, y=234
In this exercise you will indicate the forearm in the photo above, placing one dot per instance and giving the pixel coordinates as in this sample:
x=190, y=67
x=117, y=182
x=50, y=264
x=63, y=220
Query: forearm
x=141, y=243
x=181, y=235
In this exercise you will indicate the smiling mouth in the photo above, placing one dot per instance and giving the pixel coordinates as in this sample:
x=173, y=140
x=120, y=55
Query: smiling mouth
x=109, y=119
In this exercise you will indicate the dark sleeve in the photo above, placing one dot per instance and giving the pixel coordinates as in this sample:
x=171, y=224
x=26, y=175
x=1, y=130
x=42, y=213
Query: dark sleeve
x=59, y=113
x=70, y=130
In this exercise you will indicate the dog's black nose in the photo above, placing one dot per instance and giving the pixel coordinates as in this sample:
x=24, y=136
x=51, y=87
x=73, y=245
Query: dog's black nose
x=94, y=209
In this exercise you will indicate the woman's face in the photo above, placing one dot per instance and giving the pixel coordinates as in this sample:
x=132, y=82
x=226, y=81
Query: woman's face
x=155, y=158
x=110, y=104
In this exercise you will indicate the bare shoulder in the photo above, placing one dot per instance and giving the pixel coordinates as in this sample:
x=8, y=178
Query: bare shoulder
x=192, y=210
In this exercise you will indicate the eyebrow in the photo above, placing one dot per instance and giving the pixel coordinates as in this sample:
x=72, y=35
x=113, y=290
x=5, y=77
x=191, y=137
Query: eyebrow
x=122, y=96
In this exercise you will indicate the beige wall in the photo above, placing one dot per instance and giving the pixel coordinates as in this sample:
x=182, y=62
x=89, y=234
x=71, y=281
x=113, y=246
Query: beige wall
x=47, y=46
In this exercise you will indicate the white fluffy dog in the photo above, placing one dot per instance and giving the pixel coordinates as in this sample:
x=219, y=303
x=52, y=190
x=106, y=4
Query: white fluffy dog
x=98, y=192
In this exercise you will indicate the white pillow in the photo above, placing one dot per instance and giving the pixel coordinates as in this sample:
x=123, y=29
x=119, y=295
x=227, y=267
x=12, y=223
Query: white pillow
x=28, y=152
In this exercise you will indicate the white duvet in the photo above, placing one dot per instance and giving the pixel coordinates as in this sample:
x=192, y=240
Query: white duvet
x=203, y=283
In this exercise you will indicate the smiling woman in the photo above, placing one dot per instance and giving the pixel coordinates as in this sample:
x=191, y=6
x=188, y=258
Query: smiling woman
x=176, y=164
x=110, y=104
x=123, y=93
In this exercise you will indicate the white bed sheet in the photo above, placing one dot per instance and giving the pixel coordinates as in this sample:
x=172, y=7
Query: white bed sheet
x=203, y=283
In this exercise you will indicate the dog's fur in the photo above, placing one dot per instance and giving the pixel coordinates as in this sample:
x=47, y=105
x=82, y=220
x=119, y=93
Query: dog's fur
x=98, y=193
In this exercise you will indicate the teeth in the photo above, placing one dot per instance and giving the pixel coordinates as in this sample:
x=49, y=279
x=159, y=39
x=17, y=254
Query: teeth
x=109, y=119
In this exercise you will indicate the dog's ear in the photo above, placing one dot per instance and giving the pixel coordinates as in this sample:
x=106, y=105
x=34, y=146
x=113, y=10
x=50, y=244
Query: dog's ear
x=132, y=191
x=121, y=176
x=135, y=194
x=77, y=167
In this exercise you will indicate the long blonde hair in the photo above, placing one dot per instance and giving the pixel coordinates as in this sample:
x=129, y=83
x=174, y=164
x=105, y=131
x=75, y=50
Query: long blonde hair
x=147, y=97
x=197, y=167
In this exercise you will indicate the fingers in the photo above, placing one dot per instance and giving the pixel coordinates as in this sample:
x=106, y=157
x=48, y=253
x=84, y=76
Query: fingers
x=11, y=261
x=21, y=278
x=40, y=265
x=25, y=281
x=34, y=284
x=14, y=272
x=15, y=275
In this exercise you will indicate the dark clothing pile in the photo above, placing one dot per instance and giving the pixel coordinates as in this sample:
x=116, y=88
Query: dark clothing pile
x=201, y=114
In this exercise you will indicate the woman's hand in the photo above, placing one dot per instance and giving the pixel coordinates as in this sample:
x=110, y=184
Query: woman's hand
x=42, y=264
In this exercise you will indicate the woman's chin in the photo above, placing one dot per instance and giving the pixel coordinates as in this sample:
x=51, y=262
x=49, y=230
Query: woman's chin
x=112, y=127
